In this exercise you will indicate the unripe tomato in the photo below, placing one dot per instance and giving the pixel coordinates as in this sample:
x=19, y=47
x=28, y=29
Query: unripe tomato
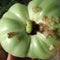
x=33, y=30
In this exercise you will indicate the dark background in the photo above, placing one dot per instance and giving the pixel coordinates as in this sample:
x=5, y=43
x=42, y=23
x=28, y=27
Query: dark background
x=6, y=4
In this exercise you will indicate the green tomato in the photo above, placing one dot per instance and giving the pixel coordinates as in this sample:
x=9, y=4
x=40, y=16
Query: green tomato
x=16, y=27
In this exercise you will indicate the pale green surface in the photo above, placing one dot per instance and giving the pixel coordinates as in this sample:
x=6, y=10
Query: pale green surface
x=15, y=20
x=49, y=8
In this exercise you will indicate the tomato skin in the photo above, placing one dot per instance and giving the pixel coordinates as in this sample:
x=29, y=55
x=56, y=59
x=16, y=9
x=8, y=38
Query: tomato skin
x=17, y=22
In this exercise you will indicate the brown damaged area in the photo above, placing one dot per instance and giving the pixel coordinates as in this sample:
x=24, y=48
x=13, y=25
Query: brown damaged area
x=50, y=19
x=47, y=20
x=46, y=31
x=11, y=34
x=44, y=28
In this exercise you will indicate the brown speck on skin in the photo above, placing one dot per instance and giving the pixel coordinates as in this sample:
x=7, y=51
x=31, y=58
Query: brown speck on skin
x=41, y=28
x=11, y=34
x=36, y=9
x=44, y=18
x=57, y=19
